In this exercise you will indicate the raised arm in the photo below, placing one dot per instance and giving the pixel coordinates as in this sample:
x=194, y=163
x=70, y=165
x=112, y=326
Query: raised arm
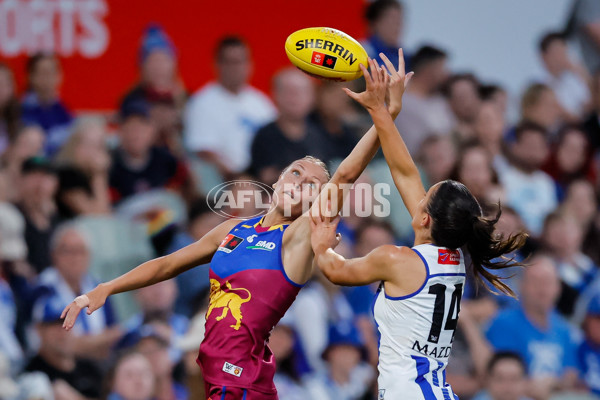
x=404, y=171
x=353, y=166
x=149, y=273
x=297, y=250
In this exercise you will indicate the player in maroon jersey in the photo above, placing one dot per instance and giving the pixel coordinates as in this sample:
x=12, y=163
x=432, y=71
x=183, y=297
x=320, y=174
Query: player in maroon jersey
x=257, y=266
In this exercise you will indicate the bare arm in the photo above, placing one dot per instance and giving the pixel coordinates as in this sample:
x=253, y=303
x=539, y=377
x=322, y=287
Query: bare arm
x=404, y=171
x=150, y=272
x=361, y=271
x=297, y=251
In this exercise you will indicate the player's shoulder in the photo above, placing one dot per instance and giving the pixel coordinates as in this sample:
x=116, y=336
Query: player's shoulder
x=397, y=255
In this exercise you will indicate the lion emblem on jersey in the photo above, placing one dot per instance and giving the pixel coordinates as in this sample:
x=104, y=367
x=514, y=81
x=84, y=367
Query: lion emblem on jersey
x=229, y=301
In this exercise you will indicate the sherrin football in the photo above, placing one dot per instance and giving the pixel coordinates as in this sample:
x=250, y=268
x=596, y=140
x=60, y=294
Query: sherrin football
x=326, y=53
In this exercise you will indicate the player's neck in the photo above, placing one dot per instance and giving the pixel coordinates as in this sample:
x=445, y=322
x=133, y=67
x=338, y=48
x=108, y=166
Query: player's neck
x=423, y=236
x=273, y=217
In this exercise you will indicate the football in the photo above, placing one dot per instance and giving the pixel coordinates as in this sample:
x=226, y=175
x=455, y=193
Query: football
x=326, y=53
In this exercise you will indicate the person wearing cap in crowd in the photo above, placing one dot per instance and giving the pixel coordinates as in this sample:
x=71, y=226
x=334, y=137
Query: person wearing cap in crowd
x=94, y=334
x=588, y=353
x=138, y=165
x=152, y=340
x=347, y=375
x=160, y=86
x=71, y=376
x=38, y=186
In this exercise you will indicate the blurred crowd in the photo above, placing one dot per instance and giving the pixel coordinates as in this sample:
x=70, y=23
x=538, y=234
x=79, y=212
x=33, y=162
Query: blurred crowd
x=84, y=198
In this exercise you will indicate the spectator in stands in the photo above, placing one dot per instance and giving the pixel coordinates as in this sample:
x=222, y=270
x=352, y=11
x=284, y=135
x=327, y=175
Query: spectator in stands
x=189, y=344
x=506, y=378
x=28, y=142
x=287, y=378
x=131, y=378
x=570, y=159
x=160, y=86
x=156, y=303
x=42, y=105
x=222, y=118
x=581, y=203
x=529, y=190
x=68, y=278
x=563, y=239
x=437, y=158
x=540, y=106
x=153, y=343
x=291, y=136
x=424, y=111
x=568, y=80
x=318, y=305
x=385, y=20
x=462, y=94
x=72, y=377
x=37, y=185
x=10, y=111
x=14, y=271
x=332, y=108
x=9, y=344
x=496, y=95
x=489, y=127
x=475, y=170
x=83, y=163
x=347, y=376
x=591, y=126
x=588, y=354
x=540, y=336
x=137, y=164
x=584, y=24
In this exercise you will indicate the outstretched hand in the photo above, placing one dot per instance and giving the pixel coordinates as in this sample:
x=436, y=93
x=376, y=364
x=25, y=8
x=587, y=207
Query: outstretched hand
x=377, y=85
x=398, y=82
x=92, y=301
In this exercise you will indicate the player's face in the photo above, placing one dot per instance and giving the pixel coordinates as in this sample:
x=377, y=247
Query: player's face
x=507, y=381
x=298, y=186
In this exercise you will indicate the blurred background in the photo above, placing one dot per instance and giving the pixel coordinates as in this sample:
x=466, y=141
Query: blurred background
x=118, y=117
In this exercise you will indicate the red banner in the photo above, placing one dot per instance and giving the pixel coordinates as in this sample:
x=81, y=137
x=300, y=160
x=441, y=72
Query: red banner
x=98, y=40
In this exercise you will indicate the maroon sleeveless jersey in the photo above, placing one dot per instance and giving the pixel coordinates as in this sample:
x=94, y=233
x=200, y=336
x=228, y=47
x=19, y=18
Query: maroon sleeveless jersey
x=249, y=293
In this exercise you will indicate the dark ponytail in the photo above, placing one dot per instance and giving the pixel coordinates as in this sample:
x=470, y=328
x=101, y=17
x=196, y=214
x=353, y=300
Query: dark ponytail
x=458, y=221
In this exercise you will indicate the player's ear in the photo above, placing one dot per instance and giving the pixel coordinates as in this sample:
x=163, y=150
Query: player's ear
x=426, y=220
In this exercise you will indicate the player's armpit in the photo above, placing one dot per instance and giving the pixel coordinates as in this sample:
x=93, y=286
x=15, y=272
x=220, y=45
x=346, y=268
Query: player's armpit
x=296, y=253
